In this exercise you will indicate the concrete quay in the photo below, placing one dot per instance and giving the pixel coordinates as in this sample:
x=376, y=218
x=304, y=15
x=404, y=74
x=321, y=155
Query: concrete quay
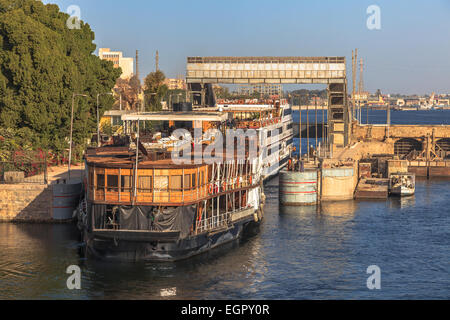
x=29, y=202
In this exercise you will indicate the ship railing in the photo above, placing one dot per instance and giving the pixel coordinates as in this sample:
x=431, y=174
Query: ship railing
x=214, y=222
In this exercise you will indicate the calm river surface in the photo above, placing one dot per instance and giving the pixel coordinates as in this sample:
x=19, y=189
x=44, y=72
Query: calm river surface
x=299, y=253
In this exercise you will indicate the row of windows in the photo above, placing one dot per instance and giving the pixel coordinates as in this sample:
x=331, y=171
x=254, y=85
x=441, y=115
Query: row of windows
x=274, y=133
x=289, y=141
x=146, y=183
x=287, y=112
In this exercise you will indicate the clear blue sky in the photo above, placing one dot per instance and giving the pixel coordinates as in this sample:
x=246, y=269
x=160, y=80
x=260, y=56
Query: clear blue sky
x=410, y=54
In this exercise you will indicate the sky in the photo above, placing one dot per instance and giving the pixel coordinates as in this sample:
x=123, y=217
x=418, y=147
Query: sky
x=408, y=54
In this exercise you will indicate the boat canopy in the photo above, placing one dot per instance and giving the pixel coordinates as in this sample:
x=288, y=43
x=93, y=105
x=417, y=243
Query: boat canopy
x=176, y=116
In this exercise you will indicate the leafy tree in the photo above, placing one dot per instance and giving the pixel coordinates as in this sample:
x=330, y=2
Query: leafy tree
x=154, y=80
x=222, y=92
x=42, y=63
x=155, y=90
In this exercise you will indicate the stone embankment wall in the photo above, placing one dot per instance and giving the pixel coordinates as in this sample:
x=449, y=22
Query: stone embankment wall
x=26, y=202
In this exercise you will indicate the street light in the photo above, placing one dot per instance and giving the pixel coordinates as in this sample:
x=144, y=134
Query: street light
x=170, y=107
x=146, y=94
x=98, y=120
x=71, y=127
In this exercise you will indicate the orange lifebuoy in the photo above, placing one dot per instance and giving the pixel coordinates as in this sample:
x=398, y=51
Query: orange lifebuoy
x=224, y=185
x=210, y=189
x=250, y=180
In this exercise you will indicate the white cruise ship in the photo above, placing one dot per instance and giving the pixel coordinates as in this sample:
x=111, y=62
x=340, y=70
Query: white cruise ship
x=272, y=120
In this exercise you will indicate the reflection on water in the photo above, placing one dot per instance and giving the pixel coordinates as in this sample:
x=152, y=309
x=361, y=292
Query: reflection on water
x=402, y=202
x=308, y=252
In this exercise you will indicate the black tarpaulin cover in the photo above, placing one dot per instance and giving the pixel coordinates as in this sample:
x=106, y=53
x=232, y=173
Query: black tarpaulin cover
x=146, y=218
x=179, y=219
x=135, y=218
x=97, y=216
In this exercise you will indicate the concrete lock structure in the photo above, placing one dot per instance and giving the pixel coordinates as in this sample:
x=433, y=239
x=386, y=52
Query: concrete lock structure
x=65, y=200
x=202, y=72
x=338, y=183
x=298, y=188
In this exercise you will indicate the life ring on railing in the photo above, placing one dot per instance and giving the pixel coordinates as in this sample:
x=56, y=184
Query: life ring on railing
x=224, y=185
x=250, y=180
x=210, y=188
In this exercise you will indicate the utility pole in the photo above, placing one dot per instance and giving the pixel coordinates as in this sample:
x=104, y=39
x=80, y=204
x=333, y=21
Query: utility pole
x=353, y=85
x=71, y=129
x=307, y=128
x=137, y=64
x=315, y=109
x=157, y=61
x=361, y=87
x=323, y=124
x=98, y=119
x=354, y=63
x=300, y=129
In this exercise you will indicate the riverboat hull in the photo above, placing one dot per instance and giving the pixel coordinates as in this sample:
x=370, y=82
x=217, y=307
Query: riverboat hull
x=165, y=247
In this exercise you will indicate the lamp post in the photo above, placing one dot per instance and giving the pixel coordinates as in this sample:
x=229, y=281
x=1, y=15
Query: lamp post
x=98, y=118
x=146, y=94
x=71, y=128
x=171, y=100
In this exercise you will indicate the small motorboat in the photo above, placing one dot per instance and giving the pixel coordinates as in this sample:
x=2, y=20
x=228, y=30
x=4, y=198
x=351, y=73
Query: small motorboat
x=402, y=183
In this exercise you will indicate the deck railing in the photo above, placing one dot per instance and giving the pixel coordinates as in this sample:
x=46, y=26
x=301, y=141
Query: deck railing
x=213, y=222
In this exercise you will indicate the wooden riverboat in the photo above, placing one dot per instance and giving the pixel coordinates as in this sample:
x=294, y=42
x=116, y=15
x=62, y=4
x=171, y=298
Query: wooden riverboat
x=142, y=203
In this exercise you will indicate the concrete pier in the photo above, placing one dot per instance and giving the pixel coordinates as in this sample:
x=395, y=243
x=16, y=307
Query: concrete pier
x=26, y=202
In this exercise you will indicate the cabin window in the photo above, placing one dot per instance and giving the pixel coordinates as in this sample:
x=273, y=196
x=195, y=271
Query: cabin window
x=161, y=183
x=112, y=182
x=125, y=183
x=269, y=134
x=145, y=184
x=176, y=183
x=269, y=151
x=290, y=141
x=100, y=181
x=193, y=179
x=187, y=181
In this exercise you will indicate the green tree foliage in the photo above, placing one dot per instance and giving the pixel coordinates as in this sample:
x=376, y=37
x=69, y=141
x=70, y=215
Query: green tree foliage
x=222, y=92
x=303, y=96
x=155, y=90
x=42, y=63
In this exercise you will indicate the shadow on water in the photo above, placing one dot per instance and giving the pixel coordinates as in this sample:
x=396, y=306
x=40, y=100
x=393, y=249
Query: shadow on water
x=185, y=279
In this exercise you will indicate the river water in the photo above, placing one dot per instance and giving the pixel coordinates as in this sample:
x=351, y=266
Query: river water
x=299, y=253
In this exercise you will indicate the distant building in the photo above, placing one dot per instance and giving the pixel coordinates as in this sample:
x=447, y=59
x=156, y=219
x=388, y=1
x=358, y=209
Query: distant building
x=175, y=83
x=262, y=89
x=315, y=100
x=116, y=57
x=364, y=96
x=412, y=101
x=443, y=102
